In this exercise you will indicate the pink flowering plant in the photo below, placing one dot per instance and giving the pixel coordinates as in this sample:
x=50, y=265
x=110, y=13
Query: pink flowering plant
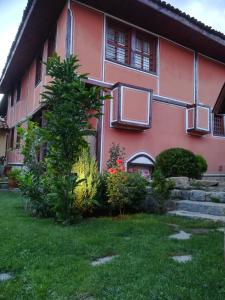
x=117, y=189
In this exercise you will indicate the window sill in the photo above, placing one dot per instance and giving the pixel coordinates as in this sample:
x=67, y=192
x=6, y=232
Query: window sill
x=131, y=67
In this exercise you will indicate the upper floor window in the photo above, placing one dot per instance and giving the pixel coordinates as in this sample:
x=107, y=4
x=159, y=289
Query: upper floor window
x=38, y=73
x=11, y=138
x=52, y=42
x=18, y=91
x=12, y=97
x=130, y=46
x=218, y=125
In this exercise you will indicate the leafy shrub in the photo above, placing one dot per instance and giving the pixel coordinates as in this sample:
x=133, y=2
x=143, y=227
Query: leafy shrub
x=125, y=191
x=201, y=163
x=161, y=189
x=87, y=173
x=115, y=153
x=177, y=162
x=30, y=179
x=136, y=185
x=117, y=190
x=102, y=206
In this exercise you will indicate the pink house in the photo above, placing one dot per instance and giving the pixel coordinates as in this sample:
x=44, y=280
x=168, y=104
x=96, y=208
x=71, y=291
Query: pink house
x=164, y=70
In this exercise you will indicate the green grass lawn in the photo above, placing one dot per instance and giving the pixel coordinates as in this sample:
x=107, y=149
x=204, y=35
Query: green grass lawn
x=50, y=261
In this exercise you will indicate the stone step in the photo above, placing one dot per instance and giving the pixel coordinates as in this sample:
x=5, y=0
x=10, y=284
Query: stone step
x=199, y=195
x=196, y=215
x=216, y=209
x=3, y=185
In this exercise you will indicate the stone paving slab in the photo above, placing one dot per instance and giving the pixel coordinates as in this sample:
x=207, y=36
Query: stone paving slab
x=182, y=235
x=103, y=260
x=182, y=258
x=5, y=276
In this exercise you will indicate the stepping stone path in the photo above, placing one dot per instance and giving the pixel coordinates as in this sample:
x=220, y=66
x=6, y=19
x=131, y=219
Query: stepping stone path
x=182, y=258
x=5, y=276
x=200, y=230
x=103, y=260
x=182, y=235
x=221, y=229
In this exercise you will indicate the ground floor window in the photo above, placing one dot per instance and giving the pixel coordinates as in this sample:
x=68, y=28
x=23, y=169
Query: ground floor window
x=141, y=164
x=218, y=125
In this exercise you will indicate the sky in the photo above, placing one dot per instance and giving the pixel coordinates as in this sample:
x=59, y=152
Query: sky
x=210, y=12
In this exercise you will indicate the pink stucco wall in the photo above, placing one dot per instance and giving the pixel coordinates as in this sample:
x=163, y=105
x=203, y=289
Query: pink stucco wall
x=174, y=79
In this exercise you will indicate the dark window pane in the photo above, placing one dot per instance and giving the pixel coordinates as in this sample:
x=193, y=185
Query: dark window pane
x=52, y=41
x=18, y=91
x=38, y=66
x=218, y=126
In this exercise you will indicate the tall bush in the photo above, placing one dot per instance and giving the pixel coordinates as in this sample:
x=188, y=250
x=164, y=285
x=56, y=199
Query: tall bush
x=69, y=104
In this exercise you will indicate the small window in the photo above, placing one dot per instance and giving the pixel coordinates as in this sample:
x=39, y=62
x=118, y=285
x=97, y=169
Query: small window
x=12, y=97
x=18, y=91
x=129, y=46
x=141, y=164
x=218, y=126
x=38, y=67
x=17, y=141
x=52, y=42
x=117, y=44
x=11, y=138
x=144, y=53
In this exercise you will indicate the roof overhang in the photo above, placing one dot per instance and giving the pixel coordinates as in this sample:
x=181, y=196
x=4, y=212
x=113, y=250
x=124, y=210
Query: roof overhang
x=166, y=21
x=219, y=107
x=41, y=16
x=152, y=15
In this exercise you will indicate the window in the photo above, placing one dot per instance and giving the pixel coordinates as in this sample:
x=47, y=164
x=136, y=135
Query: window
x=218, y=126
x=17, y=141
x=12, y=97
x=38, y=66
x=11, y=138
x=117, y=44
x=141, y=164
x=18, y=91
x=131, y=47
x=51, y=42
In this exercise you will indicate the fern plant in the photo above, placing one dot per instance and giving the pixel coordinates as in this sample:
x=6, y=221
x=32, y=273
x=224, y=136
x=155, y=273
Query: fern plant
x=87, y=174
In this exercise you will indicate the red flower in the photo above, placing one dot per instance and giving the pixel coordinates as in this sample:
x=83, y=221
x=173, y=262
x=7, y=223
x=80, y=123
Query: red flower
x=122, y=168
x=119, y=162
x=112, y=171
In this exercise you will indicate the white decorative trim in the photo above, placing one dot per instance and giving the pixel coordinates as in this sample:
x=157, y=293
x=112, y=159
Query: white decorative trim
x=197, y=117
x=139, y=154
x=131, y=68
x=187, y=118
x=102, y=137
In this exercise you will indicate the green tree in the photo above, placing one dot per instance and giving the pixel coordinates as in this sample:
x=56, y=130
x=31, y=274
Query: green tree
x=69, y=105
